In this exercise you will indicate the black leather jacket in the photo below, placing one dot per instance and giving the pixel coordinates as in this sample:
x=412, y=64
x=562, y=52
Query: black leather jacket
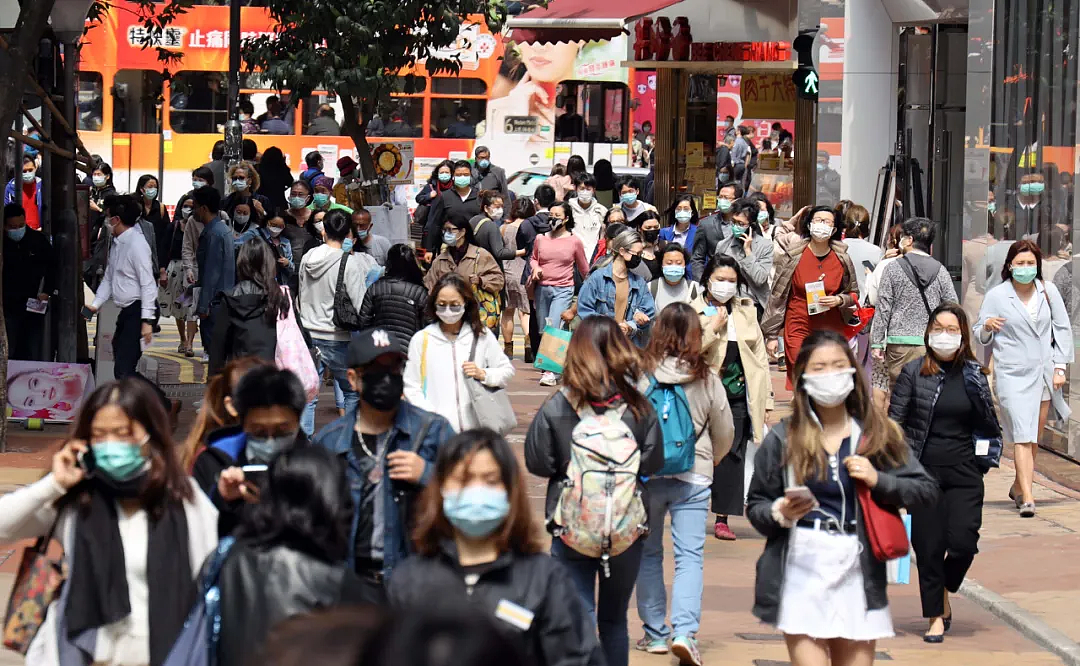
x=560, y=632
x=915, y=396
x=397, y=306
x=260, y=588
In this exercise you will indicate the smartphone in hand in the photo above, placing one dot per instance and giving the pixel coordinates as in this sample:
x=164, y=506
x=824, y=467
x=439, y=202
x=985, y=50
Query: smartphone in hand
x=799, y=494
x=87, y=313
x=256, y=475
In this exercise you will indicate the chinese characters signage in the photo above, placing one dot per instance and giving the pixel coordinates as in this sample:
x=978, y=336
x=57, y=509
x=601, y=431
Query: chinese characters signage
x=767, y=96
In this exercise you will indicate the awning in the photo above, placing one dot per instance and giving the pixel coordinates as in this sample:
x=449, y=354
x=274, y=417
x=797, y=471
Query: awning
x=576, y=20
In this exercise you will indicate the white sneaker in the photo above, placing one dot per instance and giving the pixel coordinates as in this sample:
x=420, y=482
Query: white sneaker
x=549, y=379
x=205, y=357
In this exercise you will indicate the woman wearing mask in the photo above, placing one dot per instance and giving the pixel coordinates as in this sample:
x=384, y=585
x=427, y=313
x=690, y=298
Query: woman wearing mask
x=486, y=227
x=275, y=179
x=614, y=290
x=614, y=219
x=244, y=218
x=457, y=205
x=135, y=531
x=766, y=215
x=175, y=293
x=429, y=210
x=151, y=210
x=473, y=263
x=1024, y=322
x=674, y=284
x=102, y=180
x=192, y=231
x=455, y=348
x=605, y=183
x=944, y=405
x=397, y=302
x=243, y=184
x=517, y=300
x=879, y=377
x=650, y=253
x=601, y=375
x=555, y=257
x=297, y=209
x=805, y=477
x=475, y=536
x=815, y=265
x=299, y=526
x=247, y=316
x=273, y=235
x=682, y=222
x=675, y=356
x=751, y=250
x=734, y=349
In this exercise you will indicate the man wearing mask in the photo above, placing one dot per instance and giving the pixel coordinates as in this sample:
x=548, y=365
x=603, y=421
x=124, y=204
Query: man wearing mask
x=389, y=449
x=216, y=259
x=267, y=405
x=27, y=193
x=629, y=190
x=321, y=199
x=589, y=214
x=488, y=176
x=714, y=228
x=29, y=275
x=217, y=166
x=828, y=181
x=728, y=126
x=367, y=241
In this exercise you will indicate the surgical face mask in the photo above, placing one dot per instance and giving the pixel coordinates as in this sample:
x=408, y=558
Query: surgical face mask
x=261, y=450
x=450, y=314
x=196, y=184
x=830, y=389
x=1032, y=188
x=585, y=197
x=444, y=177
x=723, y=205
x=382, y=389
x=150, y=193
x=119, y=460
x=722, y=290
x=738, y=231
x=319, y=226
x=362, y=234
x=820, y=231
x=683, y=216
x=297, y=202
x=496, y=213
x=1024, y=274
x=185, y=212
x=724, y=176
x=347, y=245
x=239, y=185
x=275, y=231
x=241, y=219
x=651, y=235
x=99, y=181
x=462, y=181
x=483, y=164
x=991, y=207
x=762, y=216
x=821, y=166
x=945, y=344
x=16, y=234
x=476, y=511
x=628, y=199
x=674, y=274
x=28, y=176
x=321, y=200
x=450, y=237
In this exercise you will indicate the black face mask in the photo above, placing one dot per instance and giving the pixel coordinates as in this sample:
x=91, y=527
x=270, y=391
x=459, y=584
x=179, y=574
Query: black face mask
x=651, y=236
x=634, y=261
x=382, y=389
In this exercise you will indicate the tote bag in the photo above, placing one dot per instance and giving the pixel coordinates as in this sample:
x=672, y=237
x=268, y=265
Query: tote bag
x=292, y=353
x=491, y=406
x=37, y=584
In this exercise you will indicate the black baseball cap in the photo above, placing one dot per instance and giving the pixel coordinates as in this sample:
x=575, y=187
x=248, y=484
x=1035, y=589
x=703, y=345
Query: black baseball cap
x=370, y=344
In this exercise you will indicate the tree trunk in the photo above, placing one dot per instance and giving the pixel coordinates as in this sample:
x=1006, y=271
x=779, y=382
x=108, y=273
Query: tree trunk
x=22, y=49
x=357, y=131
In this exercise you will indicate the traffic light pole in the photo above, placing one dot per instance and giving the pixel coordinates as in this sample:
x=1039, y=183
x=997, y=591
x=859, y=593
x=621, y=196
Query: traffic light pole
x=806, y=130
x=233, y=135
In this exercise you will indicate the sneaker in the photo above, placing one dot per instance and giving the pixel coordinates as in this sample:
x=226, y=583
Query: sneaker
x=685, y=648
x=652, y=645
x=723, y=532
x=205, y=357
x=549, y=379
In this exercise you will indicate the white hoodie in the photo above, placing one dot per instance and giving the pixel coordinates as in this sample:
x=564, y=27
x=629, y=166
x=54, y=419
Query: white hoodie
x=318, y=280
x=445, y=392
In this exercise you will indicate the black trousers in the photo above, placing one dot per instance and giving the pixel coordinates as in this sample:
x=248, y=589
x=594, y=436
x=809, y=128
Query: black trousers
x=127, y=348
x=946, y=536
x=25, y=331
x=534, y=329
x=728, y=474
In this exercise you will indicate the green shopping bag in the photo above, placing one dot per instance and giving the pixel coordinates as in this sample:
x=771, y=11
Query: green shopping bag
x=551, y=354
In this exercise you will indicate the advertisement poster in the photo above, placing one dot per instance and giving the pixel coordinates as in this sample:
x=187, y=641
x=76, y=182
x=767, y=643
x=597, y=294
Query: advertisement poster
x=50, y=391
x=395, y=160
x=729, y=102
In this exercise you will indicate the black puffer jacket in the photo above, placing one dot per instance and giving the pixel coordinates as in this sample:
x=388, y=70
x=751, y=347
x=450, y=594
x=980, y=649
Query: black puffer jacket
x=241, y=328
x=915, y=396
x=559, y=633
x=396, y=305
x=262, y=587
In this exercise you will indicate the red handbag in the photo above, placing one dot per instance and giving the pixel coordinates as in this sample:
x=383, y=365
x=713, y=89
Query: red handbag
x=884, y=527
x=864, y=315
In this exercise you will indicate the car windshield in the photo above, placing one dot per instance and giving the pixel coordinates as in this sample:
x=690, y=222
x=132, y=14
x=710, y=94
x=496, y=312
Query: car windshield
x=524, y=183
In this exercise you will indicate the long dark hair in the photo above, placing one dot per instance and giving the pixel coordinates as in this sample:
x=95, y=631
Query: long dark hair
x=306, y=505
x=600, y=361
x=256, y=263
x=671, y=221
x=212, y=414
x=569, y=224
x=677, y=334
x=274, y=160
x=930, y=364
x=575, y=166
x=723, y=261
x=464, y=289
x=519, y=533
x=401, y=265
x=167, y=481
x=604, y=174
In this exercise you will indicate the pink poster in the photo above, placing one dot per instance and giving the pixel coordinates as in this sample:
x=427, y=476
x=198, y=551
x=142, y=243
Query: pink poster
x=644, y=99
x=729, y=103
x=50, y=391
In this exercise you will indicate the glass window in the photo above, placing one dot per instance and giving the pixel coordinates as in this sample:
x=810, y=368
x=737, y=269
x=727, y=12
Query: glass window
x=322, y=115
x=90, y=101
x=457, y=86
x=199, y=102
x=136, y=97
x=456, y=118
x=401, y=118
x=593, y=112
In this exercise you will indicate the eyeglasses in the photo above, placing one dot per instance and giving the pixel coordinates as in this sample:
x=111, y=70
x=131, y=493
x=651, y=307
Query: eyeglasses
x=951, y=330
x=823, y=220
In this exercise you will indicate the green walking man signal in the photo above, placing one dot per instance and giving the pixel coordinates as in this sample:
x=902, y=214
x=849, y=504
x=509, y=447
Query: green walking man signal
x=805, y=77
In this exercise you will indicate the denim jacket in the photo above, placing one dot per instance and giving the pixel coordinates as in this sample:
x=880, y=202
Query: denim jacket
x=398, y=497
x=597, y=298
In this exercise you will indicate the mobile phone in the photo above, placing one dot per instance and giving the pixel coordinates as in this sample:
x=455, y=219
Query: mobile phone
x=799, y=494
x=868, y=265
x=256, y=475
x=87, y=313
x=86, y=461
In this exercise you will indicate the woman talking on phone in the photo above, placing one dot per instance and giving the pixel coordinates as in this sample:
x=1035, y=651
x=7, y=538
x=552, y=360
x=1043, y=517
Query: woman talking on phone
x=820, y=583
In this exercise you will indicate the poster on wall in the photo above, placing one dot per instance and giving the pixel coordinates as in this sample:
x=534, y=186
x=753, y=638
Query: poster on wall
x=50, y=391
x=729, y=102
x=395, y=160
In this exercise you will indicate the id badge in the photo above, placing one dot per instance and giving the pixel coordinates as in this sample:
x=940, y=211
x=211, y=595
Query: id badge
x=982, y=447
x=514, y=615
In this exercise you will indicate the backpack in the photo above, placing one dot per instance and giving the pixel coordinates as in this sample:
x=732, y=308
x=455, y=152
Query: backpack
x=600, y=512
x=676, y=424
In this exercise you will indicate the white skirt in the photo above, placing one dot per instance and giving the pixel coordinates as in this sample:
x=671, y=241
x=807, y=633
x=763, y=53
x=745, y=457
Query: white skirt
x=823, y=595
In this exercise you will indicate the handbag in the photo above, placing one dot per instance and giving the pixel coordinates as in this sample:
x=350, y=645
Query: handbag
x=491, y=406
x=38, y=583
x=864, y=315
x=198, y=640
x=346, y=316
x=884, y=527
x=292, y=354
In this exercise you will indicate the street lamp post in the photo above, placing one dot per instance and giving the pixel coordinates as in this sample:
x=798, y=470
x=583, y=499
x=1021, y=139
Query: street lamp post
x=233, y=133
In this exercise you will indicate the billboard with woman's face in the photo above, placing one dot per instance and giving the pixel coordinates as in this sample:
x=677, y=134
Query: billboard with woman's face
x=50, y=391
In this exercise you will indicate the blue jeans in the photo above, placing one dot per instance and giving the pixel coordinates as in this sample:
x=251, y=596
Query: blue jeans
x=333, y=355
x=611, y=607
x=689, y=507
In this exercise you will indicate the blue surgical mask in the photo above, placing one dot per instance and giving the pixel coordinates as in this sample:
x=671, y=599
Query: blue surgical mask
x=723, y=205
x=261, y=450
x=737, y=231
x=674, y=274
x=347, y=245
x=462, y=181
x=483, y=164
x=444, y=177
x=297, y=202
x=363, y=234
x=762, y=216
x=724, y=176
x=683, y=216
x=628, y=199
x=449, y=237
x=150, y=193
x=119, y=460
x=476, y=511
x=1025, y=274
x=28, y=176
x=17, y=234
x=1032, y=188
x=99, y=181
x=196, y=184
x=321, y=199
x=821, y=166
x=239, y=185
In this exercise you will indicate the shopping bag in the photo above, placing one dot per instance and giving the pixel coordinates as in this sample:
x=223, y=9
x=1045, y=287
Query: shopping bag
x=292, y=353
x=38, y=582
x=551, y=354
x=899, y=570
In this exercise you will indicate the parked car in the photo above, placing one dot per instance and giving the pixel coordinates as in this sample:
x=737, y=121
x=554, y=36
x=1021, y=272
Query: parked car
x=524, y=183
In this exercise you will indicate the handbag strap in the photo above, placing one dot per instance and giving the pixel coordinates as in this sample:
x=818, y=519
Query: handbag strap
x=423, y=364
x=472, y=352
x=909, y=270
x=341, y=273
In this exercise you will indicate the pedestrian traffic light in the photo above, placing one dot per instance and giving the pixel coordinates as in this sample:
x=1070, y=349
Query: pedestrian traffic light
x=806, y=77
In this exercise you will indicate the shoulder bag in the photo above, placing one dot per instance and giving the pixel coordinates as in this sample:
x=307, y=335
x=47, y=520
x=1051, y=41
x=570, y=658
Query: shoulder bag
x=346, y=316
x=491, y=406
x=884, y=527
x=198, y=641
x=38, y=583
x=291, y=353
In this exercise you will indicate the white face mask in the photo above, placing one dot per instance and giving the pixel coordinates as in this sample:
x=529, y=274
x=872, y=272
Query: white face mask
x=722, y=290
x=945, y=344
x=584, y=197
x=275, y=231
x=496, y=213
x=450, y=314
x=319, y=227
x=820, y=231
x=831, y=388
